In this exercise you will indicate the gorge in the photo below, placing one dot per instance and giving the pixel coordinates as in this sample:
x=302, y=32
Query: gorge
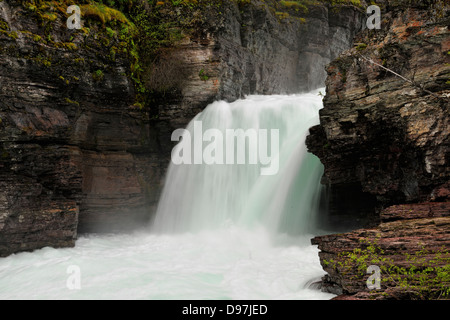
x=86, y=118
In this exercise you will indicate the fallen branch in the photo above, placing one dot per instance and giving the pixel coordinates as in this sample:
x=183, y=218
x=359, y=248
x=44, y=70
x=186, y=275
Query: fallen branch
x=413, y=83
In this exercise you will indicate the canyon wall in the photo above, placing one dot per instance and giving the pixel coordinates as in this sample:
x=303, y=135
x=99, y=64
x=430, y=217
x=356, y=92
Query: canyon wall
x=385, y=131
x=79, y=152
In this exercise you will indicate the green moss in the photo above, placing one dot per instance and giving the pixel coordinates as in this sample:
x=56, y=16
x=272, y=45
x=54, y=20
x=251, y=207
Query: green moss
x=67, y=45
x=295, y=5
x=104, y=14
x=13, y=35
x=361, y=46
x=139, y=105
x=71, y=101
x=4, y=25
x=282, y=15
x=203, y=76
x=49, y=16
x=343, y=2
x=67, y=82
x=45, y=61
x=37, y=38
x=426, y=274
x=79, y=60
x=98, y=76
x=111, y=33
x=31, y=7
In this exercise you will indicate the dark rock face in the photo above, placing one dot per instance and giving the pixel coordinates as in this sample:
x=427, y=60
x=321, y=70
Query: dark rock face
x=249, y=50
x=379, y=130
x=76, y=156
x=390, y=136
x=261, y=54
x=37, y=202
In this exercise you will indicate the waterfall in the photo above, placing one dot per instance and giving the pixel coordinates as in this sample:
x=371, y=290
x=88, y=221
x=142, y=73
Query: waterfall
x=228, y=232
x=203, y=196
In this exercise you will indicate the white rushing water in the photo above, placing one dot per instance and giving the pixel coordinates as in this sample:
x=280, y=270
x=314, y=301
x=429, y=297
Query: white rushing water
x=221, y=231
x=203, y=197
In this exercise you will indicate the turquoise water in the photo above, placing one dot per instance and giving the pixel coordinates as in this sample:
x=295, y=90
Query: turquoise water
x=228, y=264
x=221, y=231
x=204, y=197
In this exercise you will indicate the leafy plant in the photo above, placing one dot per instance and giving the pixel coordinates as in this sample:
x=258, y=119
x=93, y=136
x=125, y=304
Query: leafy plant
x=426, y=274
x=203, y=76
x=98, y=75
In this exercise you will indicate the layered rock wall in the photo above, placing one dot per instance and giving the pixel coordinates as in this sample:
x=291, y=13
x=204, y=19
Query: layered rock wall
x=378, y=130
x=79, y=153
x=76, y=154
x=251, y=49
x=385, y=128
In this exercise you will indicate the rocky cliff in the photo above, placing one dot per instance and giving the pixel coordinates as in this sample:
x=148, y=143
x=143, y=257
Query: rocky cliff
x=253, y=47
x=74, y=150
x=385, y=131
x=86, y=115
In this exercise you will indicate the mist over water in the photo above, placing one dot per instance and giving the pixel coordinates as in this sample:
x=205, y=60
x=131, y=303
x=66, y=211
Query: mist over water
x=225, y=264
x=203, y=197
x=221, y=231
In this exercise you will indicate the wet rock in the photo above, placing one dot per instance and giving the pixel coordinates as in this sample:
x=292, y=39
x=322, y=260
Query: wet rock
x=389, y=135
x=419, y=238
x=380, y=131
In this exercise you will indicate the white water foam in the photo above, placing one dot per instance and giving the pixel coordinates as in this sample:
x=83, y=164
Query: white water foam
x=203, y=197
x=231, y=243
x=229, y=264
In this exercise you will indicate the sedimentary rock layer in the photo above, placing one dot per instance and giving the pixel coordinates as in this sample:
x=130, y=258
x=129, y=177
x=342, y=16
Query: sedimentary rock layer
x=412, y=253
x=385, y=128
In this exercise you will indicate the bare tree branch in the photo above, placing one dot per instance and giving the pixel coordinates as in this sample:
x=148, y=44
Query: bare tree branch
x=412, y=82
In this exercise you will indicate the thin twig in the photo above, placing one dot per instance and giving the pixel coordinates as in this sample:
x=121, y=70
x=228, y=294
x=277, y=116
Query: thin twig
x=420, y=86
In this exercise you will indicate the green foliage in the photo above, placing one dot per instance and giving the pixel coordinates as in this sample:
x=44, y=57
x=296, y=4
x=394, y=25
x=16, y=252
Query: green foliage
x=98, y=75
x=140, y=31
x=296, y=5
x=3, y=25
x=43, y=60
x=203, y=76
x=282, y=15
x=72, y=102
x=426, y=273
x=345, y=2
x=11, y=34
x=104, y=13
x=361, y=46
x=296, y=10
x=49, y=16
